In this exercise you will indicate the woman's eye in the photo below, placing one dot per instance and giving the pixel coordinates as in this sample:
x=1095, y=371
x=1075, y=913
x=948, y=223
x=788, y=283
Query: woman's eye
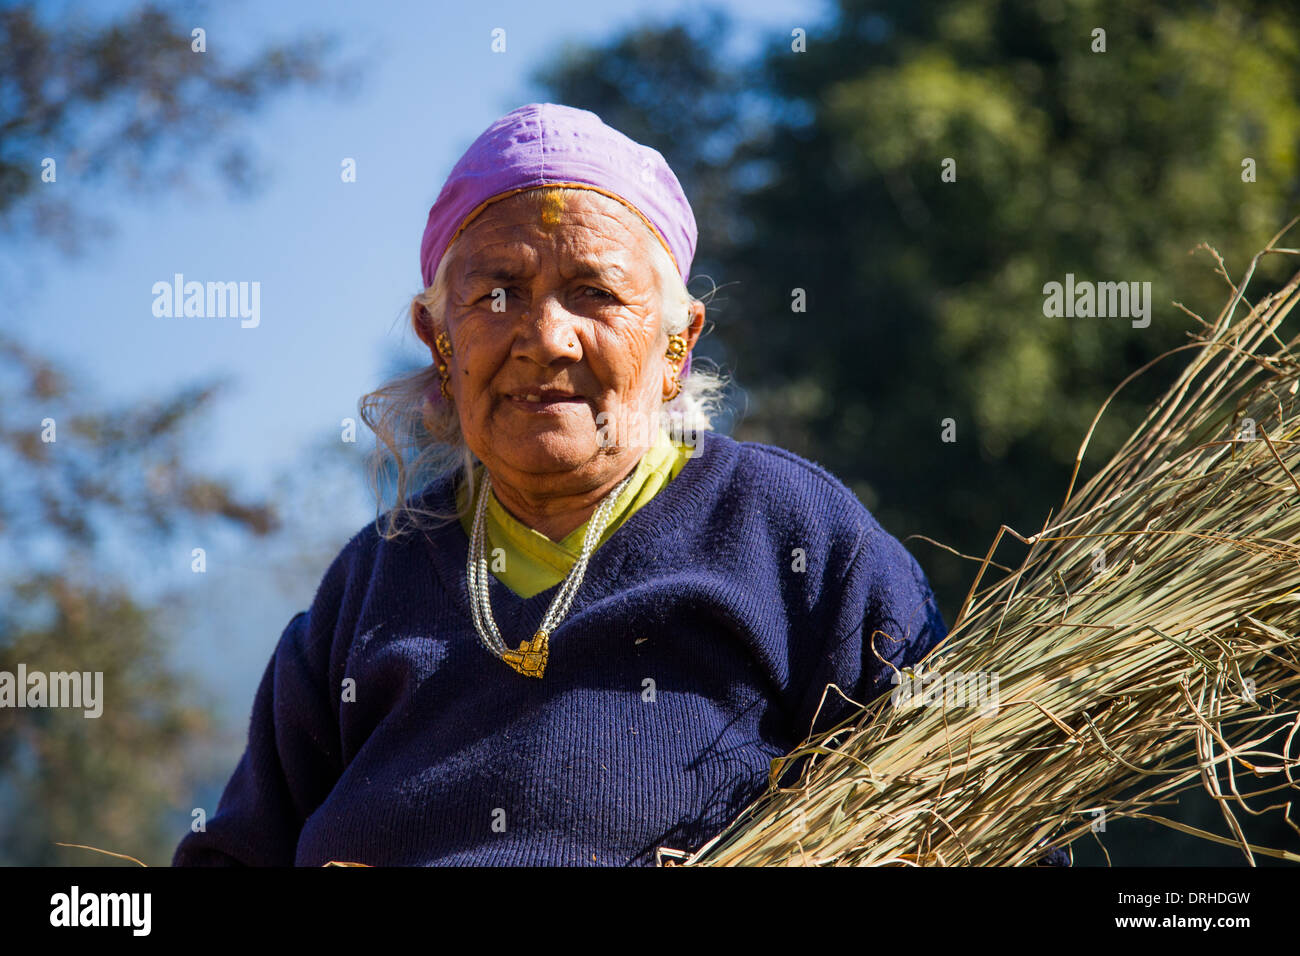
x=599, y=293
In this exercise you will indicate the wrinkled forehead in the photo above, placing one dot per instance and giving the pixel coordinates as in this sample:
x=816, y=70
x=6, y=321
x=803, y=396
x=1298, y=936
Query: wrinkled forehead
x=578, y=226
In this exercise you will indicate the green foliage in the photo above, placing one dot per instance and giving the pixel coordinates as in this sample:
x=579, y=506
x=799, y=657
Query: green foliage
x=925, y=297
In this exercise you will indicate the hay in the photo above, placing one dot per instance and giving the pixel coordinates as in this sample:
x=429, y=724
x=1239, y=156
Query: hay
x=1124, y=676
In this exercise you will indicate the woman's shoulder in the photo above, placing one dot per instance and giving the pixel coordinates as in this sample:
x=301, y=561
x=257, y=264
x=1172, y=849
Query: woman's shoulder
x=759, y=456
x=423, y=515
x=787, y=485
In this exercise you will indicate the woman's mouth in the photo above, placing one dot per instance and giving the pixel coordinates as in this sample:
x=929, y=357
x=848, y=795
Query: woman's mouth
x=545, y=401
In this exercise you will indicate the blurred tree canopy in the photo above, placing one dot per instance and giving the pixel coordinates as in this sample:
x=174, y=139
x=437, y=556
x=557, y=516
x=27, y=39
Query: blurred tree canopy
x=112, y=101
x=128, y=101
x=818, y=168
x=76, y=479
x=821, y=171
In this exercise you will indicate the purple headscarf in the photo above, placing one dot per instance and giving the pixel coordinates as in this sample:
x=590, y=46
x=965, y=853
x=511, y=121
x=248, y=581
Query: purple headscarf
x=546, y=144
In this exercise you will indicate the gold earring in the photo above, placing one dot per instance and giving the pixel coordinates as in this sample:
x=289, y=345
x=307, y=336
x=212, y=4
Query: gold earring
x=444, y=348
x=675, y=354
x=676, y=349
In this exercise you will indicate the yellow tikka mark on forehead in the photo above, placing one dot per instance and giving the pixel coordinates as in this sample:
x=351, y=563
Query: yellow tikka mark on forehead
x=552, y=209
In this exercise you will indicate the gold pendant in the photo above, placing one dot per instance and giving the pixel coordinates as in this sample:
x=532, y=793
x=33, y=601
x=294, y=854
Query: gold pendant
x=530, y=659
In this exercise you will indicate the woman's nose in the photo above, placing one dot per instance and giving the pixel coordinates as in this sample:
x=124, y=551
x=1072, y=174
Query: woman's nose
x=547, y=334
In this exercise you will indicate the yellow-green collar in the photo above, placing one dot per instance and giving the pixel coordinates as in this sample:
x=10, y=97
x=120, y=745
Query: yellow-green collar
x=528, y=562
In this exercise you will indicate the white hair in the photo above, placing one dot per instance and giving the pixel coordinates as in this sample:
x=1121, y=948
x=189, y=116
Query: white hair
x=418, y=441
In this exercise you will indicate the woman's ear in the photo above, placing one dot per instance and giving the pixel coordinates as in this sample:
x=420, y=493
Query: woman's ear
x=422, y=322
x=693, y=331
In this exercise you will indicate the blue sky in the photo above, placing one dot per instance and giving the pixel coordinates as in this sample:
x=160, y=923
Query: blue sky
x=337, y=264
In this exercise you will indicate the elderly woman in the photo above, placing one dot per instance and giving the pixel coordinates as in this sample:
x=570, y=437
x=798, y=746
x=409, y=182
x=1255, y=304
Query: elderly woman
x=591, y=631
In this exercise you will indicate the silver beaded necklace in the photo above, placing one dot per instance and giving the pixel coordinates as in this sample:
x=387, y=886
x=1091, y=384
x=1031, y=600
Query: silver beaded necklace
x=530, y=658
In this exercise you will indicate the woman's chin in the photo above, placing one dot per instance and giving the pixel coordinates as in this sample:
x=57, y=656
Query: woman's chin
x=548, y=451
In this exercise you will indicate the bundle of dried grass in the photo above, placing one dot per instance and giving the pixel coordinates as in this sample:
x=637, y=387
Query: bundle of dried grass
x=1147, y=642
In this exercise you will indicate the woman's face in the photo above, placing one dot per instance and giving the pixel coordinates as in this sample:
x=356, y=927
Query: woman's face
x=556, y=298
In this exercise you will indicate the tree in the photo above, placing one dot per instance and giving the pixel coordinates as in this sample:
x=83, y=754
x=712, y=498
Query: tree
x=926, y=297
x=129, y=101
x=916, y=176
x=85, y=491
x=923, y=298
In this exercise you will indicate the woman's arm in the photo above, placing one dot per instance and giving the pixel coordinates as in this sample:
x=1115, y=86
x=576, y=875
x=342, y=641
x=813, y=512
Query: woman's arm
x=291, y=762
x=887, y=612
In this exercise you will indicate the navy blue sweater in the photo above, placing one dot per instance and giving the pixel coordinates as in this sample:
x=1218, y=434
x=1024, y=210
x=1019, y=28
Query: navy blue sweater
x=696, y=651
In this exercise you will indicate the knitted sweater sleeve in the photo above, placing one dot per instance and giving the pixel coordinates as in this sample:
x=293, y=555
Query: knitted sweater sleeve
x=886, y=617
x=289, y=766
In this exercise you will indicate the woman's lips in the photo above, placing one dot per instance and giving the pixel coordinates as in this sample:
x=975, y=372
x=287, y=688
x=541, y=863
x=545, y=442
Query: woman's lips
x=546, y=403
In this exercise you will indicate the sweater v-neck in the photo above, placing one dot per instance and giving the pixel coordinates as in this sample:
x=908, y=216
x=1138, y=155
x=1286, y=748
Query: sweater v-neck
x=678, y=502
x=534, y=562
